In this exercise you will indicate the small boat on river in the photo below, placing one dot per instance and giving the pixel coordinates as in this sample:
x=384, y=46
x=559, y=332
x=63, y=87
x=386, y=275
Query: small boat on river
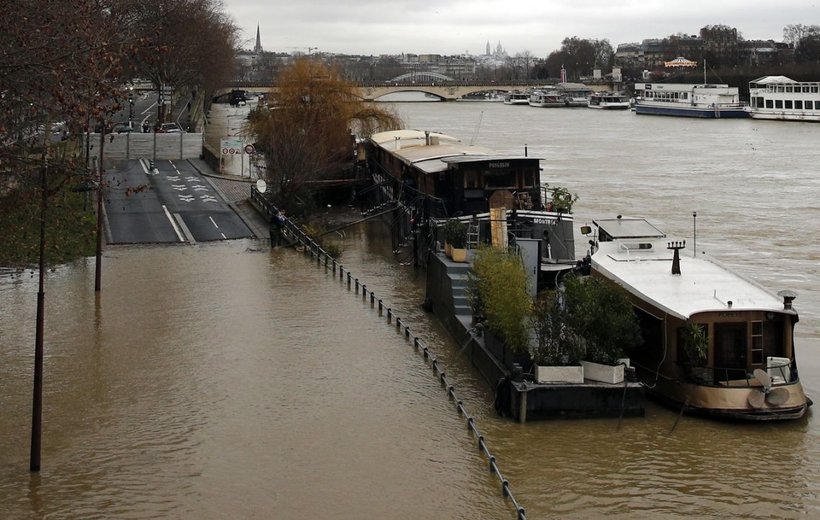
x=608, y=101
x=689, y=100
x=516, y=97
x=714, y=343
x=782, y=98
x=546, y=98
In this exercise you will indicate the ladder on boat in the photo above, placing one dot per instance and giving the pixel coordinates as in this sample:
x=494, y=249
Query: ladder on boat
x=472, y=235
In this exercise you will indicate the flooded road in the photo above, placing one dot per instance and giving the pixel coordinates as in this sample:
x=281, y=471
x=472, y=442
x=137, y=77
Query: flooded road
x=228, y=381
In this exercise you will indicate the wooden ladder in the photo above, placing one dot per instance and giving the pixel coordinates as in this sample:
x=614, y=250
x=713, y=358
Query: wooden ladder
x=472, y=234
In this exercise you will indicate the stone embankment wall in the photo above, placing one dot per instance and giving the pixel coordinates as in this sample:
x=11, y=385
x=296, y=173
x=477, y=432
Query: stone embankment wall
x=142, y=146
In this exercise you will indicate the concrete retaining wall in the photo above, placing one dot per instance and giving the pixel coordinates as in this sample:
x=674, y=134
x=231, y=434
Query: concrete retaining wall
x=141, y=146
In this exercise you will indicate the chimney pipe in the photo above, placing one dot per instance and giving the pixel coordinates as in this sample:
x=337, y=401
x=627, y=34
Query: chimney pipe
x=788, y=297
x=676, y=247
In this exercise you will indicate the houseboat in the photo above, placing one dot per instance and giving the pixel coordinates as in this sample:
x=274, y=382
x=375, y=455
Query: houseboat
x=689, y=100
x=546, y=98
x=779, y=97
x=608, y=101
x=714, y=343
x=516, y=97
x=433, y=176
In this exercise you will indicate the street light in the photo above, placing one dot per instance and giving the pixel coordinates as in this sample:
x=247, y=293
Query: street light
x=130, y=107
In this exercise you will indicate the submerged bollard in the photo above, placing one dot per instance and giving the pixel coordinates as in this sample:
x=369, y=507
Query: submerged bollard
x=389, y=314
x=334, y=267
x=380, y=306
x=357, y=286
x=348, y=279
x=372, y=298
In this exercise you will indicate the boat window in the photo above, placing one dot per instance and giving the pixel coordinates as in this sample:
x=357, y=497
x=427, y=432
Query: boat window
x=798, y=105
x=805, y=88
x=814, y=89
x=778, y=103
x=769, y=103
x=789, y=88
x=499, y=180
x=471, y=180
x=788, y=104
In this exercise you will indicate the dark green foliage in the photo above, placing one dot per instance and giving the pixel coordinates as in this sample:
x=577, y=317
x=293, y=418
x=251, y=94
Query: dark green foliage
x=695, y=343
x=600, y=312
x=557, y=344
x=455, y=233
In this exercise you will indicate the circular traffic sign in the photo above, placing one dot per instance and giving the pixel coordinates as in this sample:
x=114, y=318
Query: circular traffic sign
x=249, y=149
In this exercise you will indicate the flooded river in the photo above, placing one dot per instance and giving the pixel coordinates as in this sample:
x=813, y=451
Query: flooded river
x=228, y=381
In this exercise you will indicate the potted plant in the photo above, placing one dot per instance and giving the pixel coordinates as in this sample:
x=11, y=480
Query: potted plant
x=557, y=350
x=695, y=344
x=458, y=241
x=600, y=312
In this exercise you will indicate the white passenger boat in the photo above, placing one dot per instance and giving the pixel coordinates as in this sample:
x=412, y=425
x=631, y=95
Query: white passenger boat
x=779, y=97
x=745, y=367
x=608, y=101
x=546, y=98
x=516, y=97
x=575, y=94
x=689, y=100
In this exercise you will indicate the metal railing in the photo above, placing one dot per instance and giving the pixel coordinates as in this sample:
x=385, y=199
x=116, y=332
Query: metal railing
x=314, y=250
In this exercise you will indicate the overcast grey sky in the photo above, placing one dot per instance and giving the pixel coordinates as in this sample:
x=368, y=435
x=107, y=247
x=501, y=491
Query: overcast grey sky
x=455, y=26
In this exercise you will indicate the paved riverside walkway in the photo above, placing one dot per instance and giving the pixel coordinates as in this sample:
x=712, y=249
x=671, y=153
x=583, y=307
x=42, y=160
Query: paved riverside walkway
x=236, y=192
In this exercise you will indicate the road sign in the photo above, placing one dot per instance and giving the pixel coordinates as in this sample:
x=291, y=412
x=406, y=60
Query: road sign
x=231, y=145
x=249, y=149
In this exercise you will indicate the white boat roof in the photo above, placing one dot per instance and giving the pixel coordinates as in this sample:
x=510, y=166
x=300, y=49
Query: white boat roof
x=411, y=147
x=771, y=80
x=703, y=285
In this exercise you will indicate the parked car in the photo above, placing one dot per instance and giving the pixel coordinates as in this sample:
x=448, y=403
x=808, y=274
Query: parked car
x=170, y=128
x=123, y=128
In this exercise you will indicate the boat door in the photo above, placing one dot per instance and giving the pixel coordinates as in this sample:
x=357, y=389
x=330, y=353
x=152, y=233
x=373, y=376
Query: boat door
x=730, y=349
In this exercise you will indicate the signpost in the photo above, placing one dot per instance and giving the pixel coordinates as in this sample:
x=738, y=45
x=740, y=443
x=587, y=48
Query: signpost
x=230, y=147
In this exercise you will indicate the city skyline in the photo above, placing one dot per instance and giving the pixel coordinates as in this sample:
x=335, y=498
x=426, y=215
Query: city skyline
x=457, y=26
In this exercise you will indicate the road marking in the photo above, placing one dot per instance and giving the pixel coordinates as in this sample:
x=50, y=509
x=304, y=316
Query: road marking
x=214, y=223
x=173, y=223
x=179, y=187
x=207, y=198
x=192, y=178
x=200, y=188
x=185, y=229
x=223, y=236
x=186, y=198
x=173, y=177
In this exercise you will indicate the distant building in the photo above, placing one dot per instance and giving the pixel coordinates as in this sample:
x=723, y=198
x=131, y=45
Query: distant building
x=257, y=49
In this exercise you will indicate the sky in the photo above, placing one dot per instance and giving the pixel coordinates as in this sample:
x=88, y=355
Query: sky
x=373, y=27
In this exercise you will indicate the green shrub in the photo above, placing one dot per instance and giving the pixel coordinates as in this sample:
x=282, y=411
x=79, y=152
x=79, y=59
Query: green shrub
x=557, y=344
x=600, y=312
x=497, y=290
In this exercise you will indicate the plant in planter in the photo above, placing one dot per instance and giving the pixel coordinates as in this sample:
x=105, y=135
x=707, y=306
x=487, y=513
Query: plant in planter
x=562, y=199
x=601, y=313
x=497, y=289
x=558, y=349
x=457, y=236
x=694, y=342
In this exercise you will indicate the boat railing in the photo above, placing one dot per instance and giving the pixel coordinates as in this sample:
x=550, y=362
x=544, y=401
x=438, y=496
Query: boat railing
x=779, y=370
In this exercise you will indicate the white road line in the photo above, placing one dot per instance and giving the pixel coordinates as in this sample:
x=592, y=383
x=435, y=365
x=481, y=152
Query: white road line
x=214, y=223
x=144, y=164
x=173, y=223
x=223, y=236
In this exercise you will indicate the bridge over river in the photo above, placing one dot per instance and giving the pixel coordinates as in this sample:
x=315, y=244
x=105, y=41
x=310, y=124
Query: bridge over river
x=444, y=90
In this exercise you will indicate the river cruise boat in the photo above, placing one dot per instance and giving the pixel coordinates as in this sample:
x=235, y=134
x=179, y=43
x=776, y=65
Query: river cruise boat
x=782, y=98
x=608, y=101
x=433, y=177
x=575, y=94
x=689, y=100
x=546, y=98
x=714, y=343
x=516, y=97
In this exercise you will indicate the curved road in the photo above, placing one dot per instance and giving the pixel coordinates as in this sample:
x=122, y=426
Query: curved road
x=172, y=204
